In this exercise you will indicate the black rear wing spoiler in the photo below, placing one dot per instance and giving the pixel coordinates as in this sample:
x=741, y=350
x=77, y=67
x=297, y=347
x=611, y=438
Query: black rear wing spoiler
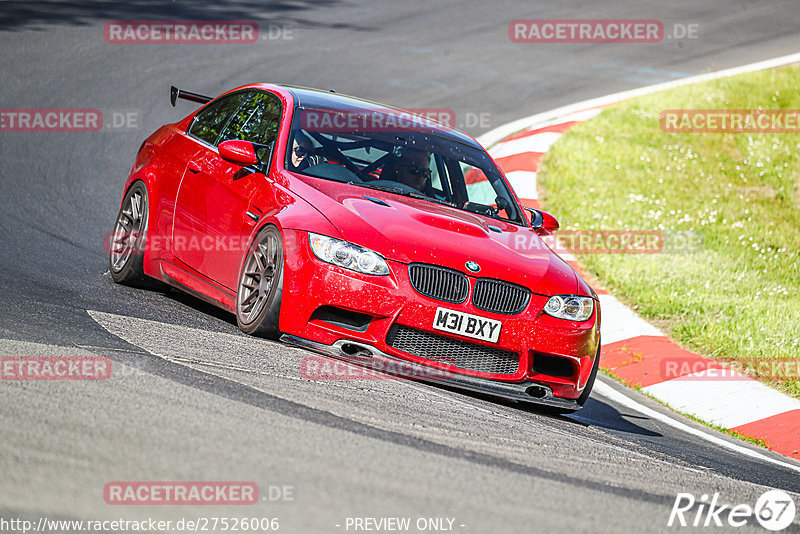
x=175, y=94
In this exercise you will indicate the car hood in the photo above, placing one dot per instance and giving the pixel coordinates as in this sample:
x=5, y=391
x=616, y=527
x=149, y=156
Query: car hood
x=409, y=230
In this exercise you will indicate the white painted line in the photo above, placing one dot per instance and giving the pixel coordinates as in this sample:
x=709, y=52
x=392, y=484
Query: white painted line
x=618, y=322
x=612, y=394
x=727, y=403
x=523, y=183
x=579, y=116
x=490, y=138
x=540, y=142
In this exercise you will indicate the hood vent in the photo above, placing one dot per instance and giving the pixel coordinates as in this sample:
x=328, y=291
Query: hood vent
x=377, y=201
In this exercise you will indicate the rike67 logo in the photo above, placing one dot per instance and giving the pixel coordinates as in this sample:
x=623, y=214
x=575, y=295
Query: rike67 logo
x=774, y=510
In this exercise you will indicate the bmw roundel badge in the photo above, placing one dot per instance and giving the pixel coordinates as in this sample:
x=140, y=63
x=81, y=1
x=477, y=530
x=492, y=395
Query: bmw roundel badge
x=472, y=266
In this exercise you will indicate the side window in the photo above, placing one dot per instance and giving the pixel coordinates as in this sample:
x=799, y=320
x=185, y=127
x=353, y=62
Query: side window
x=256, y=120
x=208, y=124
x=479, y=189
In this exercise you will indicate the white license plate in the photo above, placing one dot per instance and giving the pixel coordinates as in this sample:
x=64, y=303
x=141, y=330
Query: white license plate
x=466, y=324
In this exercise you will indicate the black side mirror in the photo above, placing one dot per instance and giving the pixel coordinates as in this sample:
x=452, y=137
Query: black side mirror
x=542, y=222
x=536, y=218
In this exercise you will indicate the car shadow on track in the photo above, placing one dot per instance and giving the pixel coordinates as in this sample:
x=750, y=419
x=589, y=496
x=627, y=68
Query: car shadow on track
x=600, y=414
x=594, y=413
x=207, y=313
x=200, y=305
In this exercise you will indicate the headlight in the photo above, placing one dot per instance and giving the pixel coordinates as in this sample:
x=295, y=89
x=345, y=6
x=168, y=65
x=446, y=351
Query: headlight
x=347, y=255
x=570, y=307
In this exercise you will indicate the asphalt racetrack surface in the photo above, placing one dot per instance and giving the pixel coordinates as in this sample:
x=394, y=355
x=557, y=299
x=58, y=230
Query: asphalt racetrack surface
x=193, y=399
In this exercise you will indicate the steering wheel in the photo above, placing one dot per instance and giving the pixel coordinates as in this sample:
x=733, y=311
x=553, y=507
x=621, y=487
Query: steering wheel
x=372, y=166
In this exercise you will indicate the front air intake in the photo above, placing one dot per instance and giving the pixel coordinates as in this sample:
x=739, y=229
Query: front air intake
x=453, y=352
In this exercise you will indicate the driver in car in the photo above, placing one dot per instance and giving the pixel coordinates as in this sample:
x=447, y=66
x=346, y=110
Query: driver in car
x=412, y=168
x=303, y=153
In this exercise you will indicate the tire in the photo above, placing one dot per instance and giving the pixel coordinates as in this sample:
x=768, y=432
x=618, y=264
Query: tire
x=260, y=286
x=128, y=241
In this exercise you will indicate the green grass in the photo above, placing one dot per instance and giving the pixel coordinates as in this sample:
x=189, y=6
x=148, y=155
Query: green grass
x=735, y=296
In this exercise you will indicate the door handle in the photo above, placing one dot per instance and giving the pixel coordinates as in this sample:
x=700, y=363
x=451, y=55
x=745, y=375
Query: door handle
x=194, y=167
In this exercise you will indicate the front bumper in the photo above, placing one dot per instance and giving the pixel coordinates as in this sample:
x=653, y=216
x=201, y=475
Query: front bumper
x=391, y=301
x=354, y=352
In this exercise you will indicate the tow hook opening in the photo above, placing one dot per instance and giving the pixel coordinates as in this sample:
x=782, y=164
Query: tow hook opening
x=354, y=350
x=537, y=392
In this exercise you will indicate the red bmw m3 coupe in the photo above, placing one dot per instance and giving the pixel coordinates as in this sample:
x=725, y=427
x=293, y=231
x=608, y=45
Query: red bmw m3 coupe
x=360, y=231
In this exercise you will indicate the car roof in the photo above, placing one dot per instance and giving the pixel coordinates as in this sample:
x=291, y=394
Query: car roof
x=308, y=98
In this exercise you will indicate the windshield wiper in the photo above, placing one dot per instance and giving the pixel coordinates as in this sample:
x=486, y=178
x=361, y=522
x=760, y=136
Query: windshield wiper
x=386, y=188
x=405, y=193
x=423, y=196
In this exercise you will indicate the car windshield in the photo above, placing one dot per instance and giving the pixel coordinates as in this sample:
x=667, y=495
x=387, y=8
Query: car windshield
x=399, y=153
